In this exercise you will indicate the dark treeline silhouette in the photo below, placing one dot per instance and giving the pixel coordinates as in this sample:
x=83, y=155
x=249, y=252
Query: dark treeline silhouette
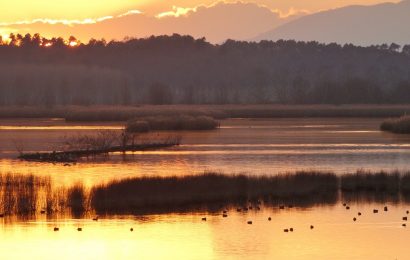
x=183, y=70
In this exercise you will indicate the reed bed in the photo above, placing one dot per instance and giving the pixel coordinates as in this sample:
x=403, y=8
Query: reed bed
x=365, y=186
x=379, y=182
x=399, y=125
x=77, y=199
x=27, y=194
x=19, y=194
x=124, y=113
x=175, y=123
x=148, y=193
x=24, y=195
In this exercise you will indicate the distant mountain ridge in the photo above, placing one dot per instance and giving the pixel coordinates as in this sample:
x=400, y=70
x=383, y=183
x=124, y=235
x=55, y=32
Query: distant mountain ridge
x=359, y=25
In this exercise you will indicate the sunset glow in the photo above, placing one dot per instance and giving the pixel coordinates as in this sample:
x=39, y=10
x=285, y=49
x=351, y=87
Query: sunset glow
x=156, y=17
x=204, y=129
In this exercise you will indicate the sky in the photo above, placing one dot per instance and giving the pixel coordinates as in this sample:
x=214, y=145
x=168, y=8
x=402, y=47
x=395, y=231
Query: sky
x=28, y=16
x=18, y=10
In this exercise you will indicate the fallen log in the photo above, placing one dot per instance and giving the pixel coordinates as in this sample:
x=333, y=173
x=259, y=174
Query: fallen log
x=73, y=156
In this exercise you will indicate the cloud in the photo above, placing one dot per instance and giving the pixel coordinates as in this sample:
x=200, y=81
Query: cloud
x=292, y=12
x=176, y=12
x=59, y=21
x=130, y=12
x=216, y=22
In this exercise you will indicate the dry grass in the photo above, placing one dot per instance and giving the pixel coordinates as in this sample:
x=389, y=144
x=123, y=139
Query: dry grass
x=176, y=123
x=399, y=125
x=77, y=199
x=24, y=195
x=152, y=193
x=380, y=182
x=27, y=194
x=124, y=113
x=20, y=194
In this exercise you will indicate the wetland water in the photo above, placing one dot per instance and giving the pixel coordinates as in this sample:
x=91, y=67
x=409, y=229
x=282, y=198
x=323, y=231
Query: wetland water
x=255, y=147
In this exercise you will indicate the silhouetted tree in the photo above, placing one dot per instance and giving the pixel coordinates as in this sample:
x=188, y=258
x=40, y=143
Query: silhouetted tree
x=35, y=70
x=160, y=94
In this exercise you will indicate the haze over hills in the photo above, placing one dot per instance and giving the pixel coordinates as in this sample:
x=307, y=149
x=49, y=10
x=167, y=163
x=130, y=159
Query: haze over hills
x=360, y=25
x=241, y=21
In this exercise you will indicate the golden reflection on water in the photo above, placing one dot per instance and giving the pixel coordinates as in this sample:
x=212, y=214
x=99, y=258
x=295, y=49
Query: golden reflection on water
x=185, y=236
x=61, y=127
x=257, y=147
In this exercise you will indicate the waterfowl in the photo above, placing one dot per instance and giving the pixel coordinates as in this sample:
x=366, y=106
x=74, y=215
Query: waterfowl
x=56, y=229
x=281, y=207
x=203, y=219
x=238, y=210
x=43, y=211
x=131, y=229
x=79, y=229
x=312, y=227
x=291, y=229
x=405, y=218
x=225, y=211
x=407, y=212
x=344, y=204
x=354, y=219
x=359, y=214
x=269, y=218
x=403, y=225
x=375, y=211
x=96, y=218
x=347, y=207
x=385, y=208
x=286, y=230
x=225, y=215
x=249, y=222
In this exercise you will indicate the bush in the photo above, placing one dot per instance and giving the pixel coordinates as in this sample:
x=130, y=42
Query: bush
x=399, y=125
x=138, y=126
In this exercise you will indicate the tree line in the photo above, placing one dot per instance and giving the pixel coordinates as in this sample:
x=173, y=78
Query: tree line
x=182, y=70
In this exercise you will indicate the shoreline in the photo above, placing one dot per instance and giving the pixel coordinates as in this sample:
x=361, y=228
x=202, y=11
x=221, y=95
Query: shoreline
x=124, y=113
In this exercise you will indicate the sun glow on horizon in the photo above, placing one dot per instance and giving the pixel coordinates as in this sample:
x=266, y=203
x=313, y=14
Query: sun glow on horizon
x=116, y=20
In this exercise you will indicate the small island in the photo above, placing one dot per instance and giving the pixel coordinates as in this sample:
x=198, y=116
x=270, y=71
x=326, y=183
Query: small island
x=399, y=125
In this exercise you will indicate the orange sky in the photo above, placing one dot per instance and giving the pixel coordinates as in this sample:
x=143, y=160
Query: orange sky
x=79, y=9
x=105, y=18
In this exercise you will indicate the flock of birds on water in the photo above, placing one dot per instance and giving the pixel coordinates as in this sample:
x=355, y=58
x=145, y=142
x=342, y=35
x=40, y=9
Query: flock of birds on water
x=81, y=229
x=258, y=207
x=375, y=211
x=347, y=207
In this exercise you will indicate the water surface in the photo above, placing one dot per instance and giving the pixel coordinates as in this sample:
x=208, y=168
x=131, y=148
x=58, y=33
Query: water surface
x=250, y=146
x=184, y=236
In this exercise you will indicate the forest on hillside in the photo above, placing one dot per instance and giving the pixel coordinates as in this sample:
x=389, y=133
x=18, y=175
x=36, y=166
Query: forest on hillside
x=182, y=70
